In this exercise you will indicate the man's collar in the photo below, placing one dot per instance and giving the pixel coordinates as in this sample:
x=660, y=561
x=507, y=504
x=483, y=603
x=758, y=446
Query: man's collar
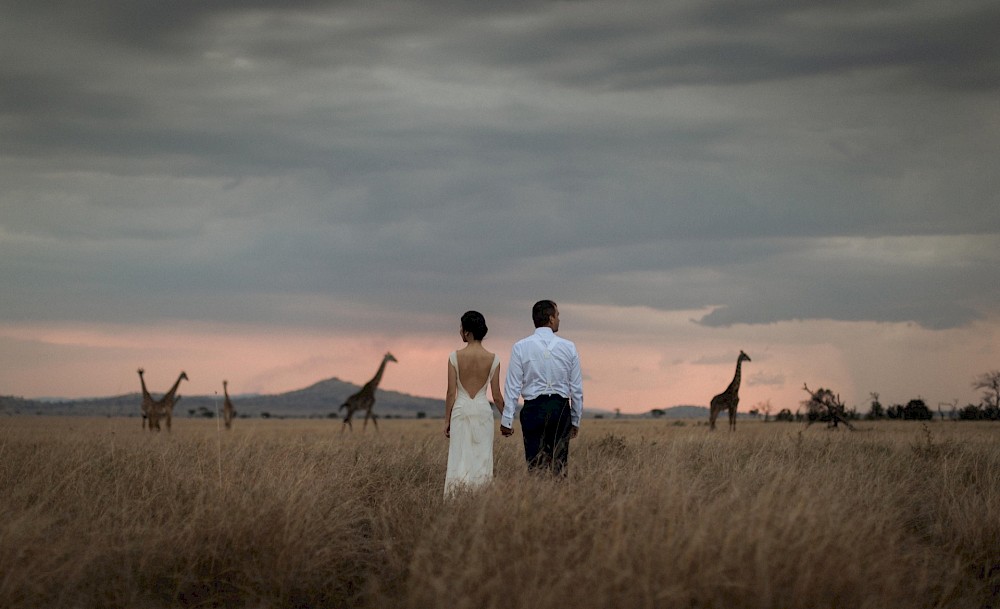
x=544, y=331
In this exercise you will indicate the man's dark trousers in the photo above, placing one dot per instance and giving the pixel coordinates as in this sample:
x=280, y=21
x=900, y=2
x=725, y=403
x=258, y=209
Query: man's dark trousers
x=545, y=424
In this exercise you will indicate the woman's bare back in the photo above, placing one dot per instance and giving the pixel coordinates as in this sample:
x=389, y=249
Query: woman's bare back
x=474, y=366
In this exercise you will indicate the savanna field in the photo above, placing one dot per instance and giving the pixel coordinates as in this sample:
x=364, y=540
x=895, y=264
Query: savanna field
x=293, y=513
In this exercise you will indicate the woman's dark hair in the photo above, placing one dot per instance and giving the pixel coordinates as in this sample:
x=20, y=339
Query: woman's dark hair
x=542, y=311
x=474, y=323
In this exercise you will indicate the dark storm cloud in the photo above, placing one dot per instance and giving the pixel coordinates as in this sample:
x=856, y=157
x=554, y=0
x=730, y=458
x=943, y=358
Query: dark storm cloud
x=722, y=43
x=677, y=156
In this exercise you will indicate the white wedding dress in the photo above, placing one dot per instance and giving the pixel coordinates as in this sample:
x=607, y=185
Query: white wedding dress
x=470, y=450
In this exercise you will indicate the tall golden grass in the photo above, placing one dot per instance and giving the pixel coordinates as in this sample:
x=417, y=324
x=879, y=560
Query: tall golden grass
x=98, y=513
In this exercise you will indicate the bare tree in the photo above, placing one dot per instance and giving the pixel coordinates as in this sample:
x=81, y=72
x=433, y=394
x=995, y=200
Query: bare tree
x=877, y=411
x=823, y=405
x=989, y=382
x=952, y=408
x=763, y=407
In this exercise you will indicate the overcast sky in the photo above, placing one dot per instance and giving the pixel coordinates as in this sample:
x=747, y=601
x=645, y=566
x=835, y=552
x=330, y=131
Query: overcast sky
x=279, y=192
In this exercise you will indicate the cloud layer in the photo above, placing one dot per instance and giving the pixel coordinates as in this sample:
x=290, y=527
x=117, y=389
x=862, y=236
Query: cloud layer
x=381, y=164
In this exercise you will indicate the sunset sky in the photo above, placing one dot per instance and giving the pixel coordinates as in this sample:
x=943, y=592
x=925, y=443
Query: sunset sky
x=276, y=193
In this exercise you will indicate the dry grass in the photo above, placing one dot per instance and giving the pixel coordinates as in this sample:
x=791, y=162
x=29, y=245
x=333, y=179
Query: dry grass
x=98, y=513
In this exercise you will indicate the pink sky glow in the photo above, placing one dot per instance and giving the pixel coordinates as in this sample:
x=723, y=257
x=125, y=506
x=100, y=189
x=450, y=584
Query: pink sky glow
x=634, y=359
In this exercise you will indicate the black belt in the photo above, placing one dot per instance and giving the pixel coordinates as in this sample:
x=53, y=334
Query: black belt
x=546, y=396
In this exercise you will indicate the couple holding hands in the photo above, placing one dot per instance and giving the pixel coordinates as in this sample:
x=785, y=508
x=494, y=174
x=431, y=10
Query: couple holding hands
x=544, y=369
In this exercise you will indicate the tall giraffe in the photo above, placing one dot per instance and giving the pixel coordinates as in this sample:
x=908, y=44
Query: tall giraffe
x=164, y=407
x=147, y=403
x=728, y=399
x=227, y=406
x=365, y=399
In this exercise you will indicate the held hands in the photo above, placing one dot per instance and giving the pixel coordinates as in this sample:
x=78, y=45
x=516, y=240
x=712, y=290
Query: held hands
x=447, y=430
x=507, y=431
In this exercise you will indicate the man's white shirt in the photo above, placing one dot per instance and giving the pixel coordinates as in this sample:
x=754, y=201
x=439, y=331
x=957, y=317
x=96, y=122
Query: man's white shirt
x=543, y=364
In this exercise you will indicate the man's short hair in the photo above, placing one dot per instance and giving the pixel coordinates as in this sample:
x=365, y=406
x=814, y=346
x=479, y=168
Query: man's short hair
x=542, y=311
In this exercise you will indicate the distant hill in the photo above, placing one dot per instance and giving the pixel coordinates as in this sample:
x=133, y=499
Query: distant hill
x=320, y=399
x=684, y=412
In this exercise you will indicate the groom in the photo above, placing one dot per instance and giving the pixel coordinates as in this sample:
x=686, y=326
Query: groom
x=545, y=370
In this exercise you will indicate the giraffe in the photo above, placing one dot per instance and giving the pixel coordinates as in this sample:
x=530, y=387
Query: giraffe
x=164, y=407
x=167, y=402
x=228, y=412
x=728, y=399
x=147, y=402
x=365, y=398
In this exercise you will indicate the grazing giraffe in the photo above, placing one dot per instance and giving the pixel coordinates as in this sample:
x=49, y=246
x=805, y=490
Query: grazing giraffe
x=164, y=407
x=147, y=402
x=365, y=399
x=227, y=406
x=728, y=399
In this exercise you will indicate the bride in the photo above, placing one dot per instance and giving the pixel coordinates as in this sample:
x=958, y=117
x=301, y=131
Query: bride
x=468, y=415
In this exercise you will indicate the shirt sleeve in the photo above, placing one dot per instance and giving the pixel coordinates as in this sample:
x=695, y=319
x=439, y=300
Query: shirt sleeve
x=512, y=387
x=576, y=390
